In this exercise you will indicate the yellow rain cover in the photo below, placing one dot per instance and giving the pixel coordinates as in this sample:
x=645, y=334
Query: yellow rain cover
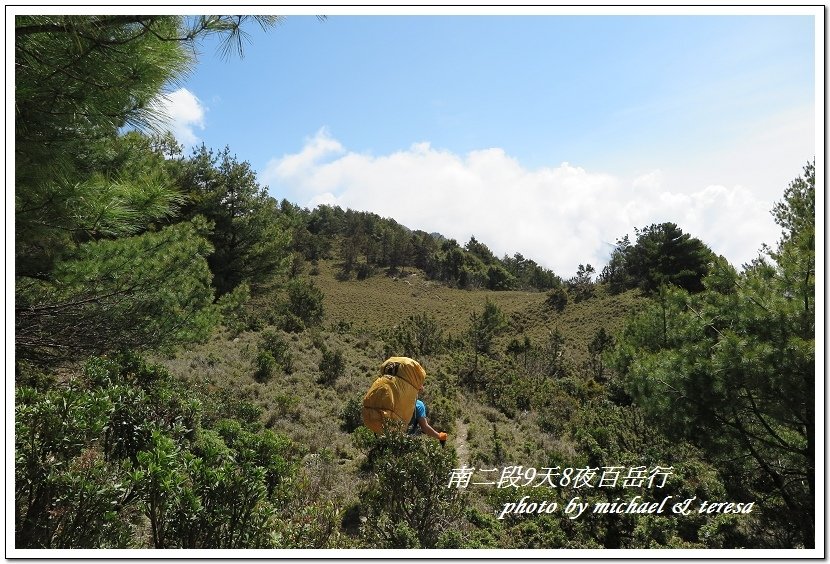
x=392, y=395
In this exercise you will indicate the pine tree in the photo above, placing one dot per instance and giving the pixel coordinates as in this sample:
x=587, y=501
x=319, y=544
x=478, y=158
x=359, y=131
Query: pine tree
x=95, y=269
x=732, y=369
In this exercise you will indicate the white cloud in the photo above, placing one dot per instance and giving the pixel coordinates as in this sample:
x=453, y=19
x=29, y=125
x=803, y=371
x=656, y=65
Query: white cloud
x=316, y=149
x=649, y=181
x=558, y=216
x=182, y=112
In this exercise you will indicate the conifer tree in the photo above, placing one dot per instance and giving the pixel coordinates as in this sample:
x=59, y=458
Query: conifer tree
x=95, y=269
x=732, y=369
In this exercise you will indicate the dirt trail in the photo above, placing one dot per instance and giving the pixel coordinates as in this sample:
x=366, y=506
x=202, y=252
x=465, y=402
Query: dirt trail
x=461, y=448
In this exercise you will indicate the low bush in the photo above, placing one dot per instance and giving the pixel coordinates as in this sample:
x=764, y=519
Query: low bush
x=332, y=366
x=351, y=414
x=127, y=442
x=407, y=501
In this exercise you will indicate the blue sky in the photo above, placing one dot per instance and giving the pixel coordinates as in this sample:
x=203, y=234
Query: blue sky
x=546, y=135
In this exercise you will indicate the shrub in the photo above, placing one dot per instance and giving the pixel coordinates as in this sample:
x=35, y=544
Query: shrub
x=419, y=335
x=557, y=299
x=304, y=307
x=332, y=366
x=442, y=412
x=485, y=326
x=407, y=502
x=280, y=350
x=364, y=271
x=265, y=365
x=129, y=440
x=351, y=414
x=66, y=495
x=232, y=306
x=291, y=323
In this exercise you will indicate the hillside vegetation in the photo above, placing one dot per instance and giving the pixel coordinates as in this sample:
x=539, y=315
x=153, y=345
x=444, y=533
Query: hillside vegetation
x=360, y=322
x=191, y=355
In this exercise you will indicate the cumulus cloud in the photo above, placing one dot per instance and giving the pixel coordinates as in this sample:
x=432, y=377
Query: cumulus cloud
x=316, y=149
x=559, y=216
x=182, y=112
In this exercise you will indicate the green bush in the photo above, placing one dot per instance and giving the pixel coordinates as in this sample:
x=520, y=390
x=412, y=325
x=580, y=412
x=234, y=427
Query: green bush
x=274, y=344
x=91, y=459
x=351, y=414
x=304, y=307
x=66, y=494
x=419, y=335
x=332, y=366
x=557, y=299
x=442, y=412
x=364, y=271
x=407, y=501
x=265, y=365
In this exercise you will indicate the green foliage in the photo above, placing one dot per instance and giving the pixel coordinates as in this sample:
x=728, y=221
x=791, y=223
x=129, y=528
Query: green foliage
x=275, y=345
x=407, y=501
x=663, y=254
x=547, y=360
x=93, y=271
x=485, y=326
x=556, y=411
x=249, y=243
x=616, y=274
x=797, y=211
x=304, y=307
x=127, y=59
x=144, y=292
x=90, y=459
x=420, y=335
x=601, y=342
x=332, y=366
x=498, y=278
x=55, y=464
x=366, y=242
x=442, y=400
x=352, y=414
x=516, y=347
x=581, y=287
x=266, y=366
x=481, y=251
x=498, y=451
x=557, y=299
x=607, y=437
x=733, y=371
x=232, y=307
x=529, y=274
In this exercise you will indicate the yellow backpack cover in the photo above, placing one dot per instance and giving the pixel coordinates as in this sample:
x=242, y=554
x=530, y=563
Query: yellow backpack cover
x=392, y=395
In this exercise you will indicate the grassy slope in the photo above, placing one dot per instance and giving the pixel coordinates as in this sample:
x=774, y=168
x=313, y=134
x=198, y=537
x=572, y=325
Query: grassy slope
x=296, y=404
x=378, y=304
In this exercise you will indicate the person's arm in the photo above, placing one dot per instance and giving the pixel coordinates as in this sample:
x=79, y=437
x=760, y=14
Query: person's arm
x=428, y=430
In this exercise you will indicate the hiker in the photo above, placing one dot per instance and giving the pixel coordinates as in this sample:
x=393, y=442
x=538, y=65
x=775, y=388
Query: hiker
x=392, y=393
x=420, y=424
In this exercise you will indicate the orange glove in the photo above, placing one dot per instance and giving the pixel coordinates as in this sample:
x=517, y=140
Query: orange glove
x=442, y=437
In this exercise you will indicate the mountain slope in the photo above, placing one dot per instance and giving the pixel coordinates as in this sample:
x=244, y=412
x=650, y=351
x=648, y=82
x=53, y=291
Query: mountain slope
x=359, y=319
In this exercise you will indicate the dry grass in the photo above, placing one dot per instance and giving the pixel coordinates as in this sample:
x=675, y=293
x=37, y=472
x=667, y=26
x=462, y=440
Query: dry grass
x=381, y=302
x=377, y=304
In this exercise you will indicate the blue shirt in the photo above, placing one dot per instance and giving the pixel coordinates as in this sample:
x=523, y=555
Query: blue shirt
x=420, y=411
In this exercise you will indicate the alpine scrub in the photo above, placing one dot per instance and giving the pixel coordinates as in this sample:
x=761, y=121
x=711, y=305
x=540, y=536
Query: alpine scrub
x=192, y=356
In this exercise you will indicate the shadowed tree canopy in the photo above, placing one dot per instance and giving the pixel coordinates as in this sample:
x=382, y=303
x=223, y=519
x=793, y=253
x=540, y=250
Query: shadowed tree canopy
x=663, y=254
x=249, y=243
